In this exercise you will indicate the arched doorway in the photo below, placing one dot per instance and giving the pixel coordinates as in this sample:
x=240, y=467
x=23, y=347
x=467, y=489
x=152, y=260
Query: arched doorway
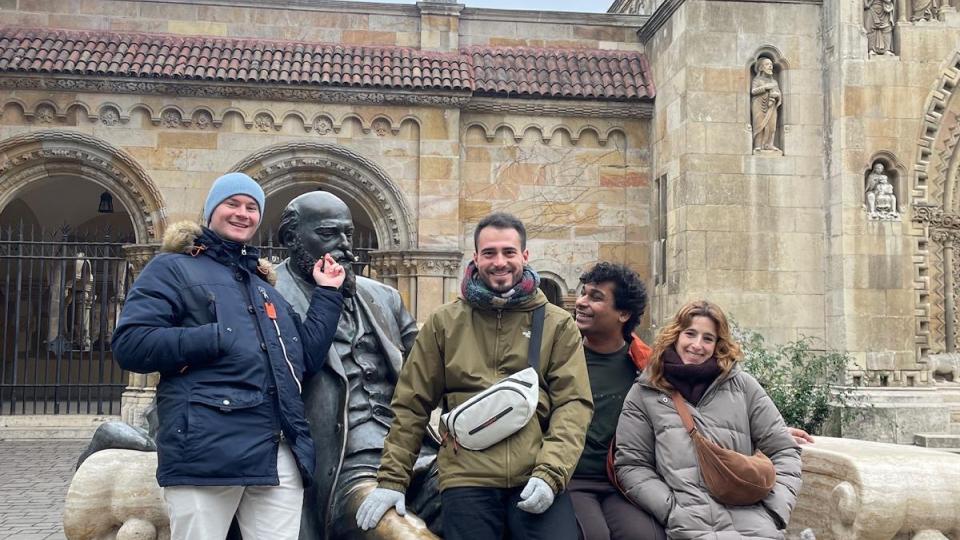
x=68, y=204
x=552, y=289
x=380, y=211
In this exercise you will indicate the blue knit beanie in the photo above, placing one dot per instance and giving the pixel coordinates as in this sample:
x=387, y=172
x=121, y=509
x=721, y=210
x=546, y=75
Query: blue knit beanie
x=227, y=186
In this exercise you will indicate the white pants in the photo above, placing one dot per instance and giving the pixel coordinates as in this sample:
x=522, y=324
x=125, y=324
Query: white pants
x=268, y=512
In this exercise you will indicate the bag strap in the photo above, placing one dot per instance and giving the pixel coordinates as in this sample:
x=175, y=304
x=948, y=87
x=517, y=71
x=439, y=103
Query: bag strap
x=536, y=336
x=684, y=413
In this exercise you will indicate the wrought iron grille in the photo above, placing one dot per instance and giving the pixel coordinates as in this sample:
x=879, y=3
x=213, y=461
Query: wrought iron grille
x=61, y=294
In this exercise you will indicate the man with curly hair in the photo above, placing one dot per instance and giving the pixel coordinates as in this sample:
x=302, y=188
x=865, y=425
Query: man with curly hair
x=608, y=308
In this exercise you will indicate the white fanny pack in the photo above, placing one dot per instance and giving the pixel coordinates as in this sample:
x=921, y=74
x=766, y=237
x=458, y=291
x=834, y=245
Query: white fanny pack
x=502, y=409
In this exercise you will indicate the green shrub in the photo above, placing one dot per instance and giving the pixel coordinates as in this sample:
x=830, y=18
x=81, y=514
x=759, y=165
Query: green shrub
x=802, y=381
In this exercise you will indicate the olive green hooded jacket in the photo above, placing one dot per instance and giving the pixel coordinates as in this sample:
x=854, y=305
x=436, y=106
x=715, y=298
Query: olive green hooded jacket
x=462, y=350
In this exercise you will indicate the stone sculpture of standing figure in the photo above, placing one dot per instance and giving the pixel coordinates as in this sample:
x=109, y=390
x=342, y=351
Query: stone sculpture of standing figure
x=765, y=101
x=878, y=19
x=880, y=197
x=926, y=10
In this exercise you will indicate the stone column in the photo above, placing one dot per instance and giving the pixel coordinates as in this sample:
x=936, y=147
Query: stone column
x=426, y=279
x=141, y=388
x=440, y=25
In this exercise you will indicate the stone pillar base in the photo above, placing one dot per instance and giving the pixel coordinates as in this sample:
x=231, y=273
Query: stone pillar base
x=892, y=415
x=133, y=405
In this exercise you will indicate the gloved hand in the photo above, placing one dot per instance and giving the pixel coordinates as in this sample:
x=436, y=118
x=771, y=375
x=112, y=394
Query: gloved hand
x=536, y=496
x=376, y=505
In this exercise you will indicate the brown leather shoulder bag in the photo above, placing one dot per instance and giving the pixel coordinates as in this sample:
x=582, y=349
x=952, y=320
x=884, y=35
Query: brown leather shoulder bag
x=731, y=477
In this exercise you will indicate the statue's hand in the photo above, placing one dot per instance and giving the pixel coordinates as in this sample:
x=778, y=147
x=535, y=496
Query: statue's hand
x=376, y=505
x=536, y=496
x=328, y=273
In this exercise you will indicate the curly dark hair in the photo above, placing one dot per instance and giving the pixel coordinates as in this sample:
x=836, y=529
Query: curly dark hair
x=629, y=292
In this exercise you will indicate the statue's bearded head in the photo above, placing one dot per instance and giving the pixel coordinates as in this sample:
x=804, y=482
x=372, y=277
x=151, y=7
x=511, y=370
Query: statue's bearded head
x=313, y=225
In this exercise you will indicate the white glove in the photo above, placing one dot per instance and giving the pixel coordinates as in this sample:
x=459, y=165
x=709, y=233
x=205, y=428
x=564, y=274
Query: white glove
x=376, y=505
x=536, y=496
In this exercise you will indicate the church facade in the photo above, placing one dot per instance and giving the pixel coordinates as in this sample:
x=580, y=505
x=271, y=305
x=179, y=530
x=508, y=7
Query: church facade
x=793, y=160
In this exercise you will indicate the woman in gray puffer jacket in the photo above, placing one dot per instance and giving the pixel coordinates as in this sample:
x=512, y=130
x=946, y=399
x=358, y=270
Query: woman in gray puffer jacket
x=656, y=464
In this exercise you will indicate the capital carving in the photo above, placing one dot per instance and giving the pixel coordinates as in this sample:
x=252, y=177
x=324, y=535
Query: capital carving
x=138, y=255
x=414, y=263
x=935, y=217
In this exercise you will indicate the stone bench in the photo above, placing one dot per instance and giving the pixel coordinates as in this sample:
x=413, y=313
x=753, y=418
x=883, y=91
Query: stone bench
x=861, y=490
x=852, y=490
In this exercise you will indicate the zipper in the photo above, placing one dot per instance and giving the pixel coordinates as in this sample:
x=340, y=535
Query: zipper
x=490, y=422
x=273, y=377
x=453, y=420
x=521, y=383
x=499, y=318
x=272, y=315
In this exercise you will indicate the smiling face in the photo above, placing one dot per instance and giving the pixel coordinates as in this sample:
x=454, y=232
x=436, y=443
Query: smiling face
x=236, y=218
x=596, y=314
x=697, y=342
x=499, y=258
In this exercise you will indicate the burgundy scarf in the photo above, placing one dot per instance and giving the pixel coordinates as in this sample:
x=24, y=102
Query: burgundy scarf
x=691, y=380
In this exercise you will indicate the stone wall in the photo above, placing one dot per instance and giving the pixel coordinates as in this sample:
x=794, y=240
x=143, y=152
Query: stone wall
x=745, y=229
x=580, y=184
x=885, y=301
x=787, y=242
x=329, y=21
x=579, y=173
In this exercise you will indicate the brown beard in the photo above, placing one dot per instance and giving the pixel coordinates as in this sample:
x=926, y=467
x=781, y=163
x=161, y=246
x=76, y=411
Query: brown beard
x=303, y=262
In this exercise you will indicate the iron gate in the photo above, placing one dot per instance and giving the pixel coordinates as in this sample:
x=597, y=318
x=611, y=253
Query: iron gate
x=61, y=294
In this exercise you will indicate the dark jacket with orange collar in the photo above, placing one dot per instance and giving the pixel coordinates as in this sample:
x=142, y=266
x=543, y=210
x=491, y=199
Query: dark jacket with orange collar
x=640, y=355
x=231, y=353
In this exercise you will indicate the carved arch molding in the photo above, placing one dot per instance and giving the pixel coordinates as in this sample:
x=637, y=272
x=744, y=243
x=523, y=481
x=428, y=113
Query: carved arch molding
x=33, y=156
x=935, y=213
x=342, y=172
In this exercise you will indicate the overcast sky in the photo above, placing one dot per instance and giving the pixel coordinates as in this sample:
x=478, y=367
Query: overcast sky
x=584, y=6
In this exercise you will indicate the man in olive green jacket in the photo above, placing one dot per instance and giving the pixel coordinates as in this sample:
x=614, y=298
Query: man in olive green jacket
x=462, y=349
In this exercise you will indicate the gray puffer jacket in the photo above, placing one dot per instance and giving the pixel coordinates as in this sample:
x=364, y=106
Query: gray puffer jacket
x=657, y=466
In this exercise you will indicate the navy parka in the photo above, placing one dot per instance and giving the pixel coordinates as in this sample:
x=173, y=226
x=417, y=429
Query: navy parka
x=198, y=314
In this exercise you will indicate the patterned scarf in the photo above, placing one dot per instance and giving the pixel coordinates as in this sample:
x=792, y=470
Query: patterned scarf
x=477, y=294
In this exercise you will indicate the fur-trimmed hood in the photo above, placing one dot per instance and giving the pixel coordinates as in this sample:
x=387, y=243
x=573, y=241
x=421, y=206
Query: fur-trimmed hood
x=181, y=238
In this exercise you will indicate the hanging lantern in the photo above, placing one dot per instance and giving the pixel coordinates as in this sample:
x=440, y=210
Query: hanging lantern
x=106, y=203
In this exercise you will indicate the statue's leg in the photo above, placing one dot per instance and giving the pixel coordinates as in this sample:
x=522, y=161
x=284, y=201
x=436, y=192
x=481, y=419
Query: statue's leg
x=391, y=527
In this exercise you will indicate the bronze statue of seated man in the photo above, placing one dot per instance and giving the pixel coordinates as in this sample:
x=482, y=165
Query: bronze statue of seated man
x=348, y=401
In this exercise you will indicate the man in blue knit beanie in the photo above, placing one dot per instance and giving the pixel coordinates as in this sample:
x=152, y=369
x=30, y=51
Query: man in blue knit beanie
x=232, y=438
x=230, y=184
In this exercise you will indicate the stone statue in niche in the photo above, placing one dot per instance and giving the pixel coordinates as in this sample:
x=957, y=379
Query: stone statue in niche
x=765, y=102
x=926, y=10
x=880, y=196
x=878, y=17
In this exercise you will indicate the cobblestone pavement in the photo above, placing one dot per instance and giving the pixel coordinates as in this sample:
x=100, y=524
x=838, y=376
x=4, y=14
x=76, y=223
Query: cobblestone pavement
x=34, y=475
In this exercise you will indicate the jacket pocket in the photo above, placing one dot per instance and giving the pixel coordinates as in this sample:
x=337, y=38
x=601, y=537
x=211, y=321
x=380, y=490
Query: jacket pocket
x=223, y=423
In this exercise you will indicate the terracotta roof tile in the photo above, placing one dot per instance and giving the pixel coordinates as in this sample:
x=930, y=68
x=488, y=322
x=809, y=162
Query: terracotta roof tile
x=497, y=71
x=569, y=73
